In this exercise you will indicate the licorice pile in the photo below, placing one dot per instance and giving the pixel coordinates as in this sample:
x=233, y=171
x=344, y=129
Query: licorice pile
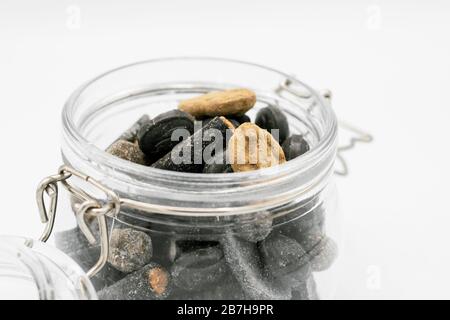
x=266, y=259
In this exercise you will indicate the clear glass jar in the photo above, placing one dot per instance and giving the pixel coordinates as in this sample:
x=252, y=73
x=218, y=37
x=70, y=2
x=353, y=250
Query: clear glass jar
x=267, y=234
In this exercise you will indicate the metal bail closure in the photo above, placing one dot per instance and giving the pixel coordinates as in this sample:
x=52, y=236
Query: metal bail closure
x=358, y=135
x=89, y=206
x=48, y=186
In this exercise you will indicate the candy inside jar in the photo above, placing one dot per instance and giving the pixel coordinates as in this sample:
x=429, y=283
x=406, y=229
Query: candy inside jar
x=224, y=176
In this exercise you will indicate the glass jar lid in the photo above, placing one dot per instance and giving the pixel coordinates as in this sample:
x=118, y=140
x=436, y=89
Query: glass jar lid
x=33, y=270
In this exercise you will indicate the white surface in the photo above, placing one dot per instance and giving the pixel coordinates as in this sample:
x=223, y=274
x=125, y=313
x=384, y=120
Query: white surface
x=387, y=63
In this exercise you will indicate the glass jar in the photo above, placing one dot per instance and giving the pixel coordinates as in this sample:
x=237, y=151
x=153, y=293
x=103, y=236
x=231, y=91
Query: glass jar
x=266, y=234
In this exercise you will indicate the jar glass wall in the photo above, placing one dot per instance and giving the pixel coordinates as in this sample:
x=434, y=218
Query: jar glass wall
x=266, y=234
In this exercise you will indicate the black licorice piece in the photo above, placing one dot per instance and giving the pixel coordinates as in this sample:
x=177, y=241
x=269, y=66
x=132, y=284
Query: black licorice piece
x=87, y=258
x=186, y=246
x=310, y=238
x=307, y=290
x=152, y=282
x=129, y=249
x=235, y=123
x=321, y=249
x=71, y=240
x=285, y=259
x=240, y=119
x=295, y=146
x=323, y=255
x=168, y=247
x=308, y=216
x=190, y=152
x=131, y=133
x=217, y=168
x=256, y=229
x=204, y=121
x=245, y=263
x=155, y=136
x=164, y=249
x=218, y=165
x=271, y=118
x=227, y=289
x=199, y=269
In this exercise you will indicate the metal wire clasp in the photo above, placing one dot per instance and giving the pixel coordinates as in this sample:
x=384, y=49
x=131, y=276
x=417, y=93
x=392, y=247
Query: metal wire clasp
x=358, y=135
x=89, y=206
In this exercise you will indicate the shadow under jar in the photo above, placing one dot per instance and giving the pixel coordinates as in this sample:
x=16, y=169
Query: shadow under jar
x=266, y=234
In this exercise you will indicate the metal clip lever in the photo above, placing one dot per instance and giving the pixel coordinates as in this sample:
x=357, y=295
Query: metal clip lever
x=50, y=187
x=359, y=136
x=89, y=205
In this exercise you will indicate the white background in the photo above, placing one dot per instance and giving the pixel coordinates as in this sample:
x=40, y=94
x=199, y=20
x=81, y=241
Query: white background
x=387, y=63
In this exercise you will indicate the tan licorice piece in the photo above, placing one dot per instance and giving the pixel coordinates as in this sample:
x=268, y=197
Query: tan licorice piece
x=158, y=280
x=220, y=103
x=252, y=148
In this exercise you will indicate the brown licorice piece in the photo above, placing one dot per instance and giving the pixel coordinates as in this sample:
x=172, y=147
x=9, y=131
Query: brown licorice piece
x=220, y=103
x=125, y=146
x=127, y=151
x=152, y=282
x=188, y=156
x=130, y=249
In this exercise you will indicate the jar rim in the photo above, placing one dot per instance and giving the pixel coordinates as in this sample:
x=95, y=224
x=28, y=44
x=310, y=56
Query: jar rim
x=91, y=151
